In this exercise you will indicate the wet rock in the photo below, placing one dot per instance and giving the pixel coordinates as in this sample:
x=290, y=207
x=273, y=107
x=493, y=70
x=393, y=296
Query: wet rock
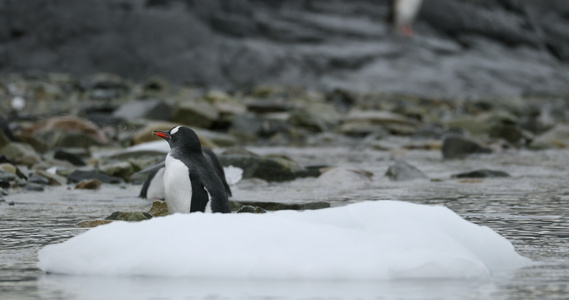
x=70, y=157
x=144, y=134
x=66, y=132
x=102, y=115
x=246, y=127
x=482, y=173
x=105, y=86
x=151, y=109
x=159, y=208
x=6, y=134
x=129, y=216
x=558, y=137
x=122, y=169
x=20, y=154
x=88, y=184
x=344, y=178
x=403, y=171
x=216, y=138
x=429, y=131
x=7, y=179
x=199, y=113
x=4, y=140
x=251, y=209
x=10, y=168
x=476, y=126
x=263, y=106
x=38, y=179
x=315, y=116
x=274, y=206
x=34, y=187
x=225, y=104
x=343, y=100
x=93, y=223
x=461, y=147
x=269, y=168
x=511, y=133
x=54, y=179
x=79, y=175
x=361, y=123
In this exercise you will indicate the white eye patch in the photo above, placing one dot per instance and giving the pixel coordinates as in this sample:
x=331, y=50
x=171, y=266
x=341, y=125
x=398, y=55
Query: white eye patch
x=174, y=130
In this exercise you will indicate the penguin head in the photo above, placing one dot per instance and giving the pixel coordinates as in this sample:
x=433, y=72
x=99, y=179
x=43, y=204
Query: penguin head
x=181, y=138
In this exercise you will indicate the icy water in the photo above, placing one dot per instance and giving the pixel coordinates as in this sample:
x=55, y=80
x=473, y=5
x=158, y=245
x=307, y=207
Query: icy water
x=531, y=209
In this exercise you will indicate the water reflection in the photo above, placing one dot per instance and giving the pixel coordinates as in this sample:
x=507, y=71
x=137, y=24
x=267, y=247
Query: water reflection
x=79, y=287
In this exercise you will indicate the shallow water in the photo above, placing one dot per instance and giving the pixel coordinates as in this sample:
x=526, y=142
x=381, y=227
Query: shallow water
x=531, y=209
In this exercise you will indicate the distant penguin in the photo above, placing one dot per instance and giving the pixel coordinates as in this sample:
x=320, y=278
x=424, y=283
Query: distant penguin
x=402, y=13
x=153, y=187
x=191, y=183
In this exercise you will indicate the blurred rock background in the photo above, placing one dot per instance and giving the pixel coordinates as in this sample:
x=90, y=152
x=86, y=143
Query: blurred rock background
x=462, y=48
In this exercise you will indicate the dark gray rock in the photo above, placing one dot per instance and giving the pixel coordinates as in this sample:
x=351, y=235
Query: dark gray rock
x=6, y=179
x=80, y=175
x=273, y=206
x=34, y=187
x=70, y=157
x=104, y=86
x=269, y=168
x=246, y=127
x=102, y=115
x=6, y=131
x=199, y=113
x=129, y=216
x=37, y=179
x=511, y=133
x=402, y=171
x=461, y=147
x=482, y=173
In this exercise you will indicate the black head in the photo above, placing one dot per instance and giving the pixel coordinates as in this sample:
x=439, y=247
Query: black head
x=181, y=138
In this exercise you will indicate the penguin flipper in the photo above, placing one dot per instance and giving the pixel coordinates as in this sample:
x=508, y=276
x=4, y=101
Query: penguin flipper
x=199, y=195
x=214, y=188
x=216, y=164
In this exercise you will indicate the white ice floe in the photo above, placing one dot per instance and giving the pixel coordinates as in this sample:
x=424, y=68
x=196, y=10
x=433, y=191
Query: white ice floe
x=368, y=240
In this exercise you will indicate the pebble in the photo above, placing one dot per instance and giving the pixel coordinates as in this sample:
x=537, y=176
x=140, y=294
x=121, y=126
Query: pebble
x=88, y=184
x=403, y=171
x=482, y=173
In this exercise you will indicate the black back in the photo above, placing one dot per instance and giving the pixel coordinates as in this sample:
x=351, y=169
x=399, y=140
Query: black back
x=185, y=146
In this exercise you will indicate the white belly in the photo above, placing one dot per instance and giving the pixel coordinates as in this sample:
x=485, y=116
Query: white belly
x=177, y=186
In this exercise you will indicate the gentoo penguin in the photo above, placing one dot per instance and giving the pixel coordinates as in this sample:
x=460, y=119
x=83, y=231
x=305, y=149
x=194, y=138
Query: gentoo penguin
x=153, y=187
x=402, y=13
x=190, y=182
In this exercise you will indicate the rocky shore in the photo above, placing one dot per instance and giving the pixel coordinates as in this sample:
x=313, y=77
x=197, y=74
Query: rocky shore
x=61, y=130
